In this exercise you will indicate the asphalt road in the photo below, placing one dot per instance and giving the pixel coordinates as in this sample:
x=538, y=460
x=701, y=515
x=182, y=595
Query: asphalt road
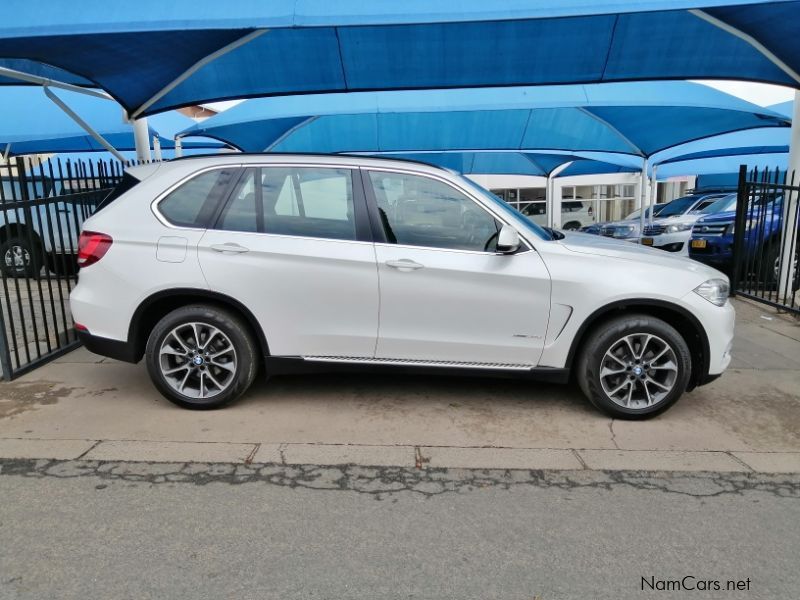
x=136, y=530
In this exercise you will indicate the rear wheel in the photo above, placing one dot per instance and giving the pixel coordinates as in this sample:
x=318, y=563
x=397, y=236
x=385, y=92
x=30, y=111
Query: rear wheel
x=571, y=226
x=201, y=357
x=634, y=366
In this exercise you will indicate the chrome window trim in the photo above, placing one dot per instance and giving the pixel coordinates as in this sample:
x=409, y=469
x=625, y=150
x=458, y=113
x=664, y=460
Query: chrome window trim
x=527, y=244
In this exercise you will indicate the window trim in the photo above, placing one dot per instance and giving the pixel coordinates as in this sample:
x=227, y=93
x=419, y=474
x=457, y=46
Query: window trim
x=379, y=234
x=363, y=232
x=154, y=205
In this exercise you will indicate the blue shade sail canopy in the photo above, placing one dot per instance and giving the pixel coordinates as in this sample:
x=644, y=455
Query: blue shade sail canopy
x=252, y=48
x=628, y=118
x=32, y=124
x=507, y=163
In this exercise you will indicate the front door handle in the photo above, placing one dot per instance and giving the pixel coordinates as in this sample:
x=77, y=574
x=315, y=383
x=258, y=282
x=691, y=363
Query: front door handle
x=229, y=247
x=404, y=264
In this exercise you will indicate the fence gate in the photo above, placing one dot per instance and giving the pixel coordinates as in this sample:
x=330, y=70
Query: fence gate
x=765, y=245
x=42, y=208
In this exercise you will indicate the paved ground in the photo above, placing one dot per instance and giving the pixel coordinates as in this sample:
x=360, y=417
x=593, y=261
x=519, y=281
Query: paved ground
x=88, y=530
x=748, y=420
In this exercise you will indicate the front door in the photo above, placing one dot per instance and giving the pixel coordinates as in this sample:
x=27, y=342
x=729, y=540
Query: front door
x=290, y=245
x=446, y=295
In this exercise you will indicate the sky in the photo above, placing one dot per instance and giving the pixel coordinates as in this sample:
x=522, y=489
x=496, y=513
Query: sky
x=762, y=94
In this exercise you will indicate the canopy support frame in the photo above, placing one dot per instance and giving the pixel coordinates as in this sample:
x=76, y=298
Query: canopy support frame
x=700, y=14
x=626, y=139
x=553, y=205
x=45, y=82
x=196, y=67
x=289, y=132
x=83, y=124
x=642, y=194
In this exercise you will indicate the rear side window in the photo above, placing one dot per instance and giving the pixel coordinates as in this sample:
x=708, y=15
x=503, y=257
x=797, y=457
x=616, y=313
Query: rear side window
x=126, y=184
x=298, y=201
x=194, y=202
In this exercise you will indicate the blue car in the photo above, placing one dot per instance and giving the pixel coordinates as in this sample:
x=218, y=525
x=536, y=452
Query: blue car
x=712, y=240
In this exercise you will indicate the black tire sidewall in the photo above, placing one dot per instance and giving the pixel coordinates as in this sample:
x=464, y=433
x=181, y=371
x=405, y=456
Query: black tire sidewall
x=231, y=326
x=603, y=337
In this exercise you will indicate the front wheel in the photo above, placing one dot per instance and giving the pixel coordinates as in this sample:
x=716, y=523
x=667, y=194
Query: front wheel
x=634, y=366
x=201, y=357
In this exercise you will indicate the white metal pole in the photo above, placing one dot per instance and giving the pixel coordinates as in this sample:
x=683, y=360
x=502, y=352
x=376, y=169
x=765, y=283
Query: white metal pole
x=789, y=250
x=141, y=137
x=642, y=196
x=157, y=148
x=178, y=147
x=653, y=195
x=548, y=202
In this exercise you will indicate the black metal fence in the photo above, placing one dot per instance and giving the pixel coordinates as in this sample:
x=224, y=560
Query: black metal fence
x=765, y=240
x=43, y=205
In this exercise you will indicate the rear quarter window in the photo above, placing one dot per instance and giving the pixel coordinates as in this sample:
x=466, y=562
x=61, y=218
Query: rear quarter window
x=195, y=201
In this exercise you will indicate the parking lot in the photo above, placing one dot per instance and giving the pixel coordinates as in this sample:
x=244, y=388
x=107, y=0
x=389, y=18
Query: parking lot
x=84, y=406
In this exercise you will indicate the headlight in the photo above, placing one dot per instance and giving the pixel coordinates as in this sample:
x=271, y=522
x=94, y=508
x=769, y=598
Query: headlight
x=714, y=290
x=677, y=227
x=623, y=232
x=731, y=229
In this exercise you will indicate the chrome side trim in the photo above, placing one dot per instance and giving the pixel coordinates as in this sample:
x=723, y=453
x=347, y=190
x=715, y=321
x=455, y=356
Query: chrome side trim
x=417, y=363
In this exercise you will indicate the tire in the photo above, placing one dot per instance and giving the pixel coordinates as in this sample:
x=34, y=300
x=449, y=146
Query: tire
x=572, y=226
x=211, y=378
x=21, y=256
x=63, y=265
x=661, y=385
x=770, y=274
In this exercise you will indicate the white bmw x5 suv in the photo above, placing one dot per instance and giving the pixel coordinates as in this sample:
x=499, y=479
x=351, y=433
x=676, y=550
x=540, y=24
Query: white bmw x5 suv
x=211, y=267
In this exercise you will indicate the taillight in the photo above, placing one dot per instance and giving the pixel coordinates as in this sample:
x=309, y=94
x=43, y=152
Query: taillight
x=92, y=246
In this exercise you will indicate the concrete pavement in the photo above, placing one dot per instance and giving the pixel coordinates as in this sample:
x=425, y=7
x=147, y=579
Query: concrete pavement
x=83, y=406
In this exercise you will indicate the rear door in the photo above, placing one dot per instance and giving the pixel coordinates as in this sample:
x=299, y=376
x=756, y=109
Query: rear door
x=293, y=245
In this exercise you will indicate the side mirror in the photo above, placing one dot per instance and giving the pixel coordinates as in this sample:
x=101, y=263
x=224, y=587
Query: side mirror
x=507, y=240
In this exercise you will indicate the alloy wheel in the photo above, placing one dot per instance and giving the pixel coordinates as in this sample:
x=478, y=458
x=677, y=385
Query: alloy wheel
x=197, y=360
x=638, y=370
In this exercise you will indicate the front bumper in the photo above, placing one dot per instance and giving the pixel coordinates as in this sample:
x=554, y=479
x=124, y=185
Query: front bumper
x=671, y=242
x=718, y=252
x=718, y=323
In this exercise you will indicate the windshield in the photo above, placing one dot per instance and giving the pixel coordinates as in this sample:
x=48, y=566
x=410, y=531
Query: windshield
x=656, y=212
x=678, y=206
x=505, y=207
x=725, y=204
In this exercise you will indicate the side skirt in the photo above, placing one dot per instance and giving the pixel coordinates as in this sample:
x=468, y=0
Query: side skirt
x=286, y=365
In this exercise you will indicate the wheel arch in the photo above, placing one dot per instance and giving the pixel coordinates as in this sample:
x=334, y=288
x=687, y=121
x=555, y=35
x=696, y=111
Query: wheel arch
x=154, y=307
x=680, y=318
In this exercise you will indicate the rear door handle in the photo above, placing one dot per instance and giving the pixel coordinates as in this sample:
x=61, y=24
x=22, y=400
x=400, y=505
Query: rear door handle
x=404, y=264
x=229, y=247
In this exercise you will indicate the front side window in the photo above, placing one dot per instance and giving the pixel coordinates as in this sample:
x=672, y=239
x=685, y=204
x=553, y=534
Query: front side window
x=419, y=211
x=299, y=201
x=193, y=202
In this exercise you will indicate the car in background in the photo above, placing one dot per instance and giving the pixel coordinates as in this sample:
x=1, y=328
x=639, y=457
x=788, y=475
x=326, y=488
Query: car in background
x=574, y=213
x=673, y=227
x=712, y=240
x=35, y=230
x=627, y=229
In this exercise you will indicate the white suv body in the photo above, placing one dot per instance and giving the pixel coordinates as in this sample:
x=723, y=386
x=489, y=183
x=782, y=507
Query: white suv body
x=322, y=262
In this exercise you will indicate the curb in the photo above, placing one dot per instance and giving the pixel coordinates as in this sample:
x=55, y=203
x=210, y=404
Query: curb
x=425, y=457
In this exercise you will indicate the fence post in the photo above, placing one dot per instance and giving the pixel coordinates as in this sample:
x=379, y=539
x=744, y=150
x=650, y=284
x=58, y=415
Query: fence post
x=738, y=228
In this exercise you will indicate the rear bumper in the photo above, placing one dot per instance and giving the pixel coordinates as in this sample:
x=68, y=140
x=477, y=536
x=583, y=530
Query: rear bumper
x=115, y=349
